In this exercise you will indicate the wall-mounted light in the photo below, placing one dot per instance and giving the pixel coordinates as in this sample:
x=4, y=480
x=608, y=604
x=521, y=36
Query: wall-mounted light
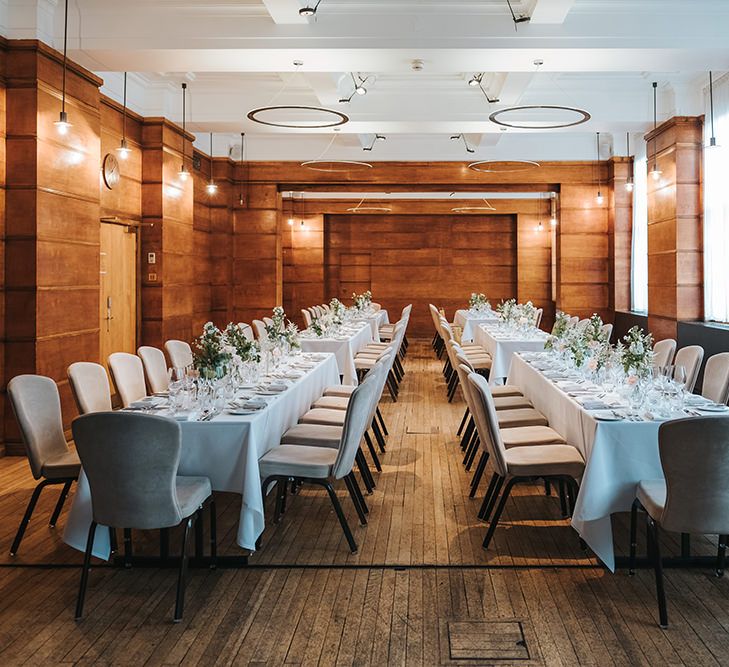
x=629, y=183
x=212, y=186
x=123, y=149
x=183, y=173
x=62, y=124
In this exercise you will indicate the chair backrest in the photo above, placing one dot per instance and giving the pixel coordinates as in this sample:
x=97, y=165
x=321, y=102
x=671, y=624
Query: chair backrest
x=538, y=317
x=128, y=375
x=247, y=331
x=356, y=421
x=380, y=375
x=487, y=422
x=716, y=378
x=131, y=462
x=464, y=370
x=268, y=321
x=690, y=357
x=155, y=368
x=695, y=460
x=375, y=306
x=607, y=330
x=663, y=352
x=90, y=387
x=307, y=317
x=435, y=315
x=37, y=408
x=574, y=321
x=179, y=352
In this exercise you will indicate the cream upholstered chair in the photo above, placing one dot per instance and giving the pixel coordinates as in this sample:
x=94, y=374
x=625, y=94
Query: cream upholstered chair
x=715, y=386
x=307, y=317
x=375, y=306
x=437, y=343
x=268, y=321
x=324, y=465
x=37, y=408
x=260, y=328
x=574, y=321
x=247, y=331
x=180, y=353
x=538, y=317
x=131, y=462
x=690, y=357
x=663, y=352
x=90, y=387
x=607, y=330
x=553, y=462
x=155, y=368
x=693, y=497
x=128, y=375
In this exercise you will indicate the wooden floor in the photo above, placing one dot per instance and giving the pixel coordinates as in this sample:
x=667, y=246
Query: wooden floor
x=420, y=591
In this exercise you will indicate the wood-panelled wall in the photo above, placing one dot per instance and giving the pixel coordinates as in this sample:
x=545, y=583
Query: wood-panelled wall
x=3, y=175
x=422, y=259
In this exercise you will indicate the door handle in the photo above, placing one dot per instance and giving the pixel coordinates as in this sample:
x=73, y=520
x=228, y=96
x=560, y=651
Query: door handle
x=109, y=316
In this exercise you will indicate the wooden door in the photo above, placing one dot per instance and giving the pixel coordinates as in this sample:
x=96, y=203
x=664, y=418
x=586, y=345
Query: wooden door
x=355, y=274
x=118, y=316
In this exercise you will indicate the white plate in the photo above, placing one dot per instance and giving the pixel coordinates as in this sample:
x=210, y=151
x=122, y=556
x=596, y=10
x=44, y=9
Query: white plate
x=710, y=408
x=606, y=416
x=242, y=411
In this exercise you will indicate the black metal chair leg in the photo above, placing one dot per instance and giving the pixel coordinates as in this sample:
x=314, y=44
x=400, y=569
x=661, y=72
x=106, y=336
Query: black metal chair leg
x=182, y=575
x=378, y=436
x=26, y=517
x=363, y=471
x=199, y=533
x=381, y=419
x=280, y=482
x=497, y=514
x=721, y=556
x=494, y=486
x=85, y=571
x=478, y=474
x=112, y=540
x=128, y=549
x=658, y=567
x=547, y=488
x=466, y=415
x=562, y=499
x=373, y=452
x=468, y=434
x=360, y=495
x=355, y=501
x=633, y=536
x=488, y=506
x=341, y=517
x=59, y=504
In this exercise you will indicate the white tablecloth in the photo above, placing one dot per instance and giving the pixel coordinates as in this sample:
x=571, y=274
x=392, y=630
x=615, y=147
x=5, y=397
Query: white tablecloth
x=375, y=321
x=345, y=350
x=469, y=321
x=617, y=454
x=502, y=349
x=225, y=449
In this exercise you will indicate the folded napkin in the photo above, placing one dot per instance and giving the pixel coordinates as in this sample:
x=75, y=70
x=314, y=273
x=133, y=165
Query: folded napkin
x=593, y=404
x=278, y=385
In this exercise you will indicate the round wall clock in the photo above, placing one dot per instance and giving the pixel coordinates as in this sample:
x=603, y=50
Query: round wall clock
x=110, y=171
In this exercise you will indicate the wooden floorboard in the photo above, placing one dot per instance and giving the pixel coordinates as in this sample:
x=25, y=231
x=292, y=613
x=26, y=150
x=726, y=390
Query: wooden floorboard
x=420, y=563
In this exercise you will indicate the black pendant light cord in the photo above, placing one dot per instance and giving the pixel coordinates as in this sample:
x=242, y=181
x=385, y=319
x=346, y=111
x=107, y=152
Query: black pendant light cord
x=655, y=125
x=65, y=48
x=597, y=160
x=711, y=109
x=124, y=113
x=184, y=133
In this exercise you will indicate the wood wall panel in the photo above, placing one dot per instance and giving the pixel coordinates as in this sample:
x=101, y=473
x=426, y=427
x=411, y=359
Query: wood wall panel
x=3, y=160
x=534, y=262
x=419, y=259
x=303, y=265
x=675, y=257
x=620, y=232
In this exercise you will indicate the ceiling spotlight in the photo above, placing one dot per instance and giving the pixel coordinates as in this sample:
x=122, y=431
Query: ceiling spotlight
x=309, y=10
x=359, y=87
x=417, y=65
x=360, y=90
x=475, y=80
x=517, y=19
x=378, y=137
x=455, y=137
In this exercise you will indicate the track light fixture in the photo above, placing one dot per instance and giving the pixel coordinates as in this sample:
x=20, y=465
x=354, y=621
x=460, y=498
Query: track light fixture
x=477, y=80
x=359, y=87
x=212, y=186
x=62, y=124
x=456, y=137
x=183, y=173
x=522, y=18
x=123, y=149
x=309, y=10
x=378, y=137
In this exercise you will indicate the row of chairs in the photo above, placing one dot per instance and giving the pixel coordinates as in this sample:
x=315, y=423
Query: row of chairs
x=314, y=312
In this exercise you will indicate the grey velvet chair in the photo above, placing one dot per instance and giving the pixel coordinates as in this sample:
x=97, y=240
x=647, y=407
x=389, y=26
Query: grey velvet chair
x=127, y=372
x=90, y=387
x=552, y=462
x=179, y=352
x=155, y=368
x=324, y=465
x=716, y=378
x=693, y=497
x=37, y=408
x=663, y=352
x=131, y=461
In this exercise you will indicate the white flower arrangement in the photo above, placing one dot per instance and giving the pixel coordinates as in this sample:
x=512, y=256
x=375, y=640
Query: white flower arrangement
x=636, y=352
x=478, y=303
x=361, y=301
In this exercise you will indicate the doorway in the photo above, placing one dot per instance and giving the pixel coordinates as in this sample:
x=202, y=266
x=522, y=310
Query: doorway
x=118, y=302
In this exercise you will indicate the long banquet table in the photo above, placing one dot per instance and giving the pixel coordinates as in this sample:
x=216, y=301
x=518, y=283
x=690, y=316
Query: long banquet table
x=502, y=347
x=226, y=449
x=376, y=320
x=344, y=347
x=470, y=321
x=618, y=454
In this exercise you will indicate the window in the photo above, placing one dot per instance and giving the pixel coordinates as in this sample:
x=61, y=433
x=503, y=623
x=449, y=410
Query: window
x=716, y=207
x=639, y=253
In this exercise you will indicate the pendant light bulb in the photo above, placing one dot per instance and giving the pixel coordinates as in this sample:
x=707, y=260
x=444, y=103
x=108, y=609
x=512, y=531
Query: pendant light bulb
x=539, y=227
x=599, y=199
x=360, y=90
x=629, y=185
x=123, y=150
x=656, y=172
x=553, y=221
x=183, y=174
x=62, y=124
x=291, y=222
x=211, y=187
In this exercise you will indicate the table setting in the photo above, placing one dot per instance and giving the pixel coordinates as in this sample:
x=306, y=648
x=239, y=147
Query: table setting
x=479, y=312
x=609, y=402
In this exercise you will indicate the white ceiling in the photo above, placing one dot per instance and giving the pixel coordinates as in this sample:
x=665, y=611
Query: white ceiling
x=236, y=55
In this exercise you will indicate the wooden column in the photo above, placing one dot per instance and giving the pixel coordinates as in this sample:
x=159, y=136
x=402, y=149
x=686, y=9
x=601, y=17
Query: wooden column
x=582, y=255
x=3, y=110
x=52, y=221
x=258, y=259
x=675, y=255
x=202, y=278
x=620, y=232
x=167, y=205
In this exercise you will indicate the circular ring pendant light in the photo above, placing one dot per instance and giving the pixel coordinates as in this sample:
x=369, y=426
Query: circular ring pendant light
x=368, y=209
x=329, y=117
x=582, y=117
x=503, y=166
x=336, y=166
x=474, y=209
